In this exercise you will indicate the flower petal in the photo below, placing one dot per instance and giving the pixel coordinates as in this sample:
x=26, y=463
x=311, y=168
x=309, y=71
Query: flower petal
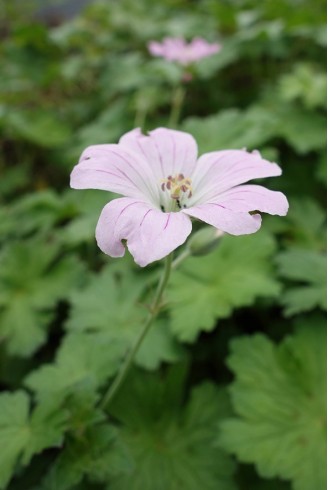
x=116, y=169
x=231, y=222
x=218, y=171
x=167, y=151
x=254, y=198
x=150, y=234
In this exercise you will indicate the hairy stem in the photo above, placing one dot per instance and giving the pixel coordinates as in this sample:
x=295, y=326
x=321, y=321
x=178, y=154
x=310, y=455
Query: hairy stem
x=154, y=310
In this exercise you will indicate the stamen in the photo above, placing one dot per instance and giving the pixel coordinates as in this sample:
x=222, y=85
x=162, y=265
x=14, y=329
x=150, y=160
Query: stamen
x=178, y=186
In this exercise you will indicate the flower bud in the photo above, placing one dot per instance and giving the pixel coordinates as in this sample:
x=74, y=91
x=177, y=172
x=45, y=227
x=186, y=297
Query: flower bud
x=204, y=240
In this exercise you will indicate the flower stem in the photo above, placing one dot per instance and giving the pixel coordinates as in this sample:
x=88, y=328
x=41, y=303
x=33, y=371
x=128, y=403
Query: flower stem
x=154, y=310
x=177, y=101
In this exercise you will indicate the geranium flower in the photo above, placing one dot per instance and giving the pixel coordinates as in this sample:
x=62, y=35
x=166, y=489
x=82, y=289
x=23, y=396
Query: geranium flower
x=164, y=185
x=177, y=49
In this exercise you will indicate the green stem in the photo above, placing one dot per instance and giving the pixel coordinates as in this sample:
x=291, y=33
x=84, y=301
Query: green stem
x=154, y=310
x=177, y=101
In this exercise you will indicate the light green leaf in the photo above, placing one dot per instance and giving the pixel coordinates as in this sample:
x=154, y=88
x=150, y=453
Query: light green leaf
x=232, y=128
x=172, y=446
x=211, y=287
x=306, y=83
x=83, y=363
x=309, y=269
x=22, y=435
x=32, y=281
x=279, y=400
x=112, y=304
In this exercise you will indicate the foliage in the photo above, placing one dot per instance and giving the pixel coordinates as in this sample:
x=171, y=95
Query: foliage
x=69, y=314
x=279, y=399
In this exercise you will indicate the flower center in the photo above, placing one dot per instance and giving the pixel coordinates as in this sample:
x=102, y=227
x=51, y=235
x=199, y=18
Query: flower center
x=179, y=188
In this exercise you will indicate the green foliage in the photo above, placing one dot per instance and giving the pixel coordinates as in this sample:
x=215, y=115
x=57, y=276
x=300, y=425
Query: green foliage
x=307, y=267
x=112, y=305
x=211, y=287
x=279, y=399
x=96, y=455
x=31, y=284
x=83, y=363
x=172, y=446
x=24, y=434
x=69, y=314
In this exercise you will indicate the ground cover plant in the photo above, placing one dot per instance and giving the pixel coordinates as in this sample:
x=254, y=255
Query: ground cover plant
x=227, y=389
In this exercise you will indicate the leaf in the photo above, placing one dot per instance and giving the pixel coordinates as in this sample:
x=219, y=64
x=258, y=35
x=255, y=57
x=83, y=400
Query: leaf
x=23, y=435
x=306, y=224
x=172, y=446
x=309, y=269
x=32, y=281
x=304, y=130
x=211, y=287
x=111, y=304
x=306, y=83
x=231, y=128
x=97, y=455
x=279, y=400
x=83, y=363
x=40, y=127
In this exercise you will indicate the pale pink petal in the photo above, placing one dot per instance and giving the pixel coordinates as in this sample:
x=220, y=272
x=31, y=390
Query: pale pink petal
x=254, y=198
x=150, y=234
x=218, y=171
x=116, y=169
x=155, y=48
x=231, y=222
x=168, y=152
x=177, y=49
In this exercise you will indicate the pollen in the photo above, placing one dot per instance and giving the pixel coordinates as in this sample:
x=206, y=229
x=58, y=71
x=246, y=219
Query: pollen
x=178, y=186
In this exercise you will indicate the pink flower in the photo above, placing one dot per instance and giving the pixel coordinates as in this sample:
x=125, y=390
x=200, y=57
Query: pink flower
x=177, y=49
x=164, y=184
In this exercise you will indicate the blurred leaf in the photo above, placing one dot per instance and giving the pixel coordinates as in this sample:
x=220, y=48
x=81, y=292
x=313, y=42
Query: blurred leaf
x=231, y=128
x=211, y=287
x=306, y=224
x=309, y=269
x=279, y=400
x=305, y=83
x=43, y=128
x=96, y=455
x=23, y=434
x=172, y=446
x=32, y=281
x=304, y=130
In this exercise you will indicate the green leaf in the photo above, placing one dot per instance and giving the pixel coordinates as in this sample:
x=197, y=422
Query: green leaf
x=40, y=127
x=306, y=83
x=96, y=454
x=211, y=287
x=309, y=269
x=32, y=281
x=172, y=446
x=305, y=224
x=232, y=128
x=279, y=400
x=83, y=363
x=111, y=304
x=303, y=130
x=23, y=435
